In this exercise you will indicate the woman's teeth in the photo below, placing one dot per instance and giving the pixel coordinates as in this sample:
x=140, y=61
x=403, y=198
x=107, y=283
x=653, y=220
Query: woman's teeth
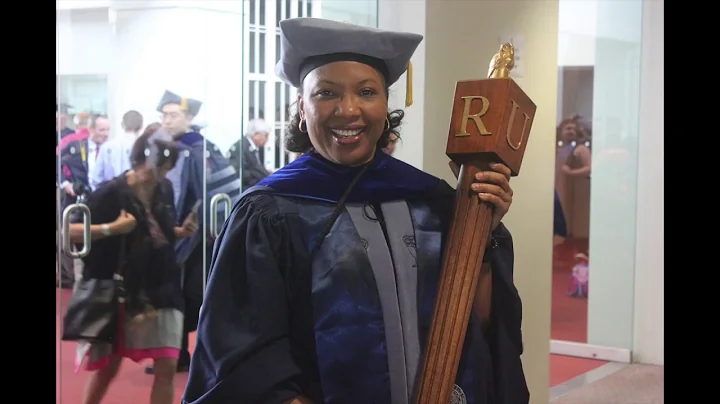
x=346, y=132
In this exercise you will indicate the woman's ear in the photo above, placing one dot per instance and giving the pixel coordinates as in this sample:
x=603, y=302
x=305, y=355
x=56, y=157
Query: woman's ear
x=301, y=107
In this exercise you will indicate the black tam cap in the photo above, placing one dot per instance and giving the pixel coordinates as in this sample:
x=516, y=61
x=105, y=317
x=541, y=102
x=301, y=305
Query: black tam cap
x=308, y=43
x=62, y=107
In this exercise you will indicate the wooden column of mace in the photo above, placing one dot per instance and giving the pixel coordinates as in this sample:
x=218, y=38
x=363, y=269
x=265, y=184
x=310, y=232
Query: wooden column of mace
x=490, y=122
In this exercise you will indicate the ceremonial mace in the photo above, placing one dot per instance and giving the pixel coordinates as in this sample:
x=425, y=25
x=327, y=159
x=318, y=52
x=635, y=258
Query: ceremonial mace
x=502, y=115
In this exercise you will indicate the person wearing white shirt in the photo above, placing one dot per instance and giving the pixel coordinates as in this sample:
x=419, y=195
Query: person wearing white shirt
x=115, y=156
x=80, y=157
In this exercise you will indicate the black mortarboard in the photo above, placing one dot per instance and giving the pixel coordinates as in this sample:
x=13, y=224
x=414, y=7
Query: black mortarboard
x=308, y=43
x=62, y=107
x=189, y=105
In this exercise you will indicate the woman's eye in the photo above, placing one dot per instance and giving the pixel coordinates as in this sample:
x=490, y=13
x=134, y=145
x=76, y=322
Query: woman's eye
x=325, y=93
x=367, y=92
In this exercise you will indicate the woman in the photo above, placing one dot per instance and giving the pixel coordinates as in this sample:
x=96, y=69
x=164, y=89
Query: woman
x=573, y=162
x=292, y=316
x=132, y=226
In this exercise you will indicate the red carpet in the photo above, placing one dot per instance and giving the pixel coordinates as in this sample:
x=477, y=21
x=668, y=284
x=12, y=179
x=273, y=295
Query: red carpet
x=569, y=314
x=132, y=385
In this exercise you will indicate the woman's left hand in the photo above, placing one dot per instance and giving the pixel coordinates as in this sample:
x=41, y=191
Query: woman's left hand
x=190, y=225
x=493, y=187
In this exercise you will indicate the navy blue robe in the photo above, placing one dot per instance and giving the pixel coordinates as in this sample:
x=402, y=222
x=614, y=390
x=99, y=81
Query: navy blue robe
x=275, y=325
x=205, y=173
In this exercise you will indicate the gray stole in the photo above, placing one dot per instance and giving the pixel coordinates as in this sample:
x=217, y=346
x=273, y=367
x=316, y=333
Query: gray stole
x=395, y=271
x=175, y=177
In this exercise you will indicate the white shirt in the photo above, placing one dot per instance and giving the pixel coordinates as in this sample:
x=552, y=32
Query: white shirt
x=114, y=159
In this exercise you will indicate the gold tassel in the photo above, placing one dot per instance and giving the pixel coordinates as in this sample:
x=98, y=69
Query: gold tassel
x=409, y=85
x=184, y=103
x=83, y=153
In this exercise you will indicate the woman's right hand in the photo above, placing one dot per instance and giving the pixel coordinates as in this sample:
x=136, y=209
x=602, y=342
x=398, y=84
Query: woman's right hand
x=125, y=223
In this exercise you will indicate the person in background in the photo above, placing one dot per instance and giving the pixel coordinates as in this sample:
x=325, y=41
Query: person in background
x=115, y=156
x=196, y=178
x=132, y=222
x=573, y=162
x=82, y=121
x=65, y=276
x=247, y=151
x=61, y=115
x=80, y=156
x=325, y=276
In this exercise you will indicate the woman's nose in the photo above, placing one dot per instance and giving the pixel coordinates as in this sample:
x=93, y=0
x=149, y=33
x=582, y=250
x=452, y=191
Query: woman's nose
x=347, y=106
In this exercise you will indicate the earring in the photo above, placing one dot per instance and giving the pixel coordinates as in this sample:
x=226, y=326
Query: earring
x=300, y=125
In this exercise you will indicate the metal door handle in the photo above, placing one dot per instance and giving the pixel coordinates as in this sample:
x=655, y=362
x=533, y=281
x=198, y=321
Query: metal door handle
x=87, y=239
x=214, y=222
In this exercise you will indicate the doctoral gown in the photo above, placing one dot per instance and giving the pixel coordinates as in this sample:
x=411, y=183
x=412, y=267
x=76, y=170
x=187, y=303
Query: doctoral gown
x=204, y=172
x=348, y=325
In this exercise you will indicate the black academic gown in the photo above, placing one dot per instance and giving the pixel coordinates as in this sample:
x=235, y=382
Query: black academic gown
x=205, y=173
x=74, y=167
x=349, y=325
x=252, y=169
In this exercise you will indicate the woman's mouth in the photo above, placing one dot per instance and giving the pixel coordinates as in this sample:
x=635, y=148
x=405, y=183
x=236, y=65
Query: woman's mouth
x=347, y=136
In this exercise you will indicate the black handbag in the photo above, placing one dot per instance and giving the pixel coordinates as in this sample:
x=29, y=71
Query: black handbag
x=92, y=312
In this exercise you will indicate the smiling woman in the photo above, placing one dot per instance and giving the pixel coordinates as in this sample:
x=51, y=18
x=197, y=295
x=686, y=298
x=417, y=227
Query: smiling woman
x=346, y=103
x=326, y=274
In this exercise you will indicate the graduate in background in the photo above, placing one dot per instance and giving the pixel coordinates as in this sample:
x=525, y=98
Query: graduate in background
x=190, y=177
x=324, y=279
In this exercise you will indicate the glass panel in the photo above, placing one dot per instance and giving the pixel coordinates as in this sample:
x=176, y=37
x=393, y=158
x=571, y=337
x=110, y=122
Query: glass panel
x=115, y=96
x=598, y=109
x=137, y=62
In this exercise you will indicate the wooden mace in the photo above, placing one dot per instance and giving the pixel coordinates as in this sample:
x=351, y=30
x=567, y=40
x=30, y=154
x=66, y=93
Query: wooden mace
x=491, y=121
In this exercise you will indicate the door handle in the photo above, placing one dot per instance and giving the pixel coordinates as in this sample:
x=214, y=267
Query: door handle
x=87, y=239
x=214, y=222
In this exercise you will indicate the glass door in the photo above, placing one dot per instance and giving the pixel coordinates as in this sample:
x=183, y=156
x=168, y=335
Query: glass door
x=119, y=61
x=128, y=72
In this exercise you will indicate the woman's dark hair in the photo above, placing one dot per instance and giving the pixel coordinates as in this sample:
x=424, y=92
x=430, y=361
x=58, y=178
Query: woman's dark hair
x=583, y=133
x=152, y=128
x=297, y=141
x=167, y=151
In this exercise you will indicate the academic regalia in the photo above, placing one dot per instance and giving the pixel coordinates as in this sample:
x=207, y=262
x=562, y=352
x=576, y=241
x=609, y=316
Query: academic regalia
x=349, y=324
x=245, y=155
x=74, y=168
x=198, y=176
x=66, y=132
x=62, y=108
x=63, y=133
x=353, y=323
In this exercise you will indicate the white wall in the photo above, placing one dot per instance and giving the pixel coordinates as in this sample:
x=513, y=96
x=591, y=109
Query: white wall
x=82, y=42
x=649, y=318
x=408, y=16
x=361, y=12
x=576, y=32
x=578, y=29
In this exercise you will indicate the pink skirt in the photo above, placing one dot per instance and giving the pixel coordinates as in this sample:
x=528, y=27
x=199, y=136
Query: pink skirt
x=156, y=338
